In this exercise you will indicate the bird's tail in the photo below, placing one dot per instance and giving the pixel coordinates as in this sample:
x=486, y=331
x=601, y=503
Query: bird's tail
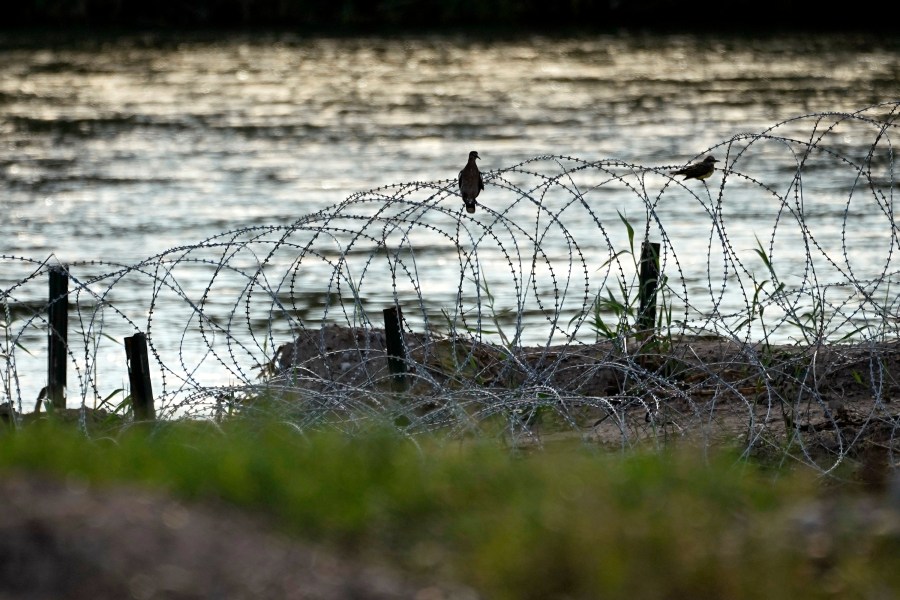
x=470, y=206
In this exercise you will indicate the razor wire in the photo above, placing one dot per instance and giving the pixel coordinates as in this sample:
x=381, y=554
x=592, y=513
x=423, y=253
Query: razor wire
x=777, y=322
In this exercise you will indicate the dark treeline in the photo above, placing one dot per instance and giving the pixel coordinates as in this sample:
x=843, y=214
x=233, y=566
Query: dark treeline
x=418, y=14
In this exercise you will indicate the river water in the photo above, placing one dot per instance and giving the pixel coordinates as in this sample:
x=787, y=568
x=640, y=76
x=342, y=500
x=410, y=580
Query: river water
x=115, y=150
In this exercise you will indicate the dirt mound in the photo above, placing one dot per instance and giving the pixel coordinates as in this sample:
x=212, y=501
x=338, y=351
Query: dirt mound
x=826, y=401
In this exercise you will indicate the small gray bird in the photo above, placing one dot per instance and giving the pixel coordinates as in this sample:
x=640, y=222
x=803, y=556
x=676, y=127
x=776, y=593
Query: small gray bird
x=470, y=182
x=700, y=170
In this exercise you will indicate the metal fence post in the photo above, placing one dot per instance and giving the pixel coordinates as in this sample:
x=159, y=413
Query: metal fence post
x=396, y=350
x=648, y=284
x=57, y=336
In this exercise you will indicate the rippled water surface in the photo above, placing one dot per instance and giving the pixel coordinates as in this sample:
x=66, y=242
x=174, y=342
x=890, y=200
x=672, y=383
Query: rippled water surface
x=122, y=149
x=119, y=149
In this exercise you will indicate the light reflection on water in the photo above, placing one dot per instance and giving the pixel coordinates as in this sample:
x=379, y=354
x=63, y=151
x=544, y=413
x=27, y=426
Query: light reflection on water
x=117, y=150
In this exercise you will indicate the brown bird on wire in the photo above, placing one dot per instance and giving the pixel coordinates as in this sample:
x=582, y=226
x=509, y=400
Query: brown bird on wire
x=470, y=182
x=700, y=170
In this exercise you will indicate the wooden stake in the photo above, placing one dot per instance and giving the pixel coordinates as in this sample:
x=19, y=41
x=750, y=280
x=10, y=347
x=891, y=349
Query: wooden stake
x=139, y=377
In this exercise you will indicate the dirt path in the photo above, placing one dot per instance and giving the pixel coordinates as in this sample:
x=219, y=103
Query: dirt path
x=64, y=540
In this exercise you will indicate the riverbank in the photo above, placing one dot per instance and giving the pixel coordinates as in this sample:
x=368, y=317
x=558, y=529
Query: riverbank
x=820, y=404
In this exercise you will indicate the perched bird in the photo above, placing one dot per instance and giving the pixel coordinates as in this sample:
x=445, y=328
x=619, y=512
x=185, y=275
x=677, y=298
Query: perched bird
x=700, y=170
x=470, y=182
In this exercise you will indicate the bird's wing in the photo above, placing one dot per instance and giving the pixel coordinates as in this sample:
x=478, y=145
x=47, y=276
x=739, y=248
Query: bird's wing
x=480, y=181
x=459, y=179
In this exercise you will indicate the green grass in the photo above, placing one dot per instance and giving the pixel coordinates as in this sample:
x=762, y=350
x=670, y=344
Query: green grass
x=566, y=523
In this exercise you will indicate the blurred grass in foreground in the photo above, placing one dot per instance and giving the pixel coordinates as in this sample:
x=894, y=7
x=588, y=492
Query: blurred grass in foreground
x=564, y=523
